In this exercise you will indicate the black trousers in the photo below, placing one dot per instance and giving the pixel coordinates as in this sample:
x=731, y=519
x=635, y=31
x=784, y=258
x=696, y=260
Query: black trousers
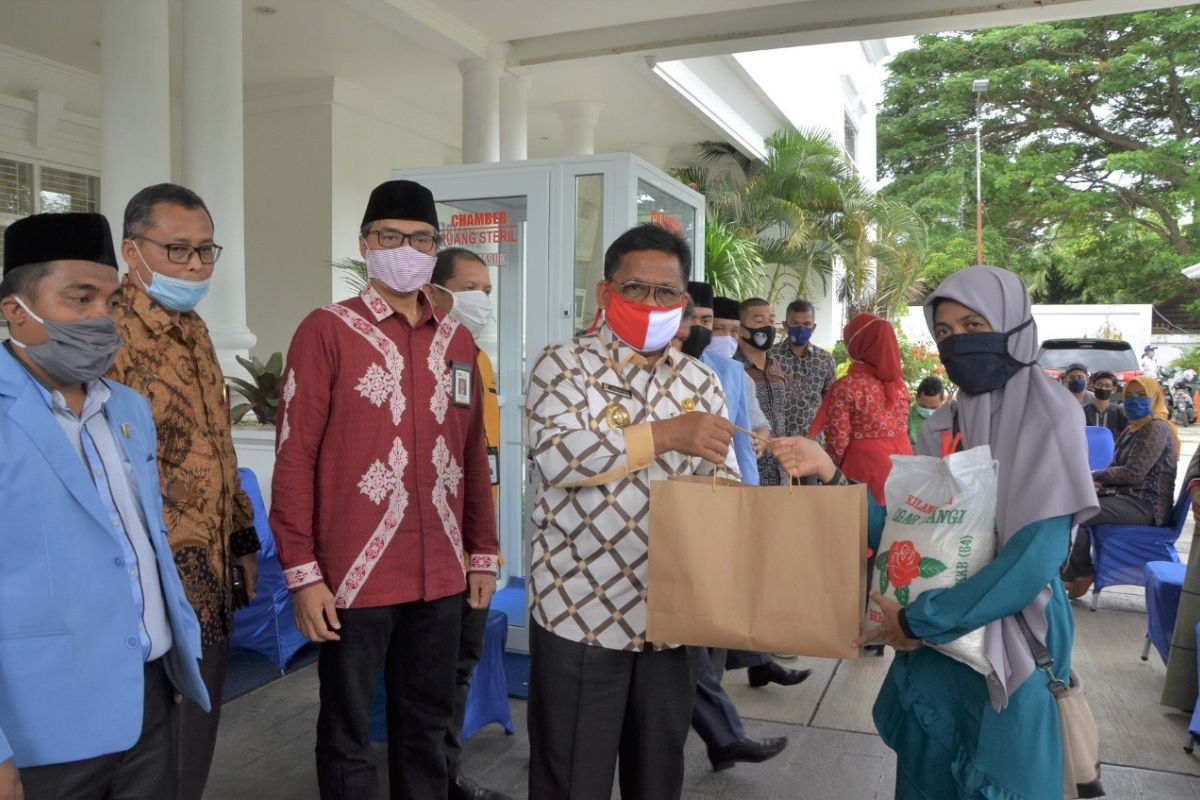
x=198, y=728
x=415, y=645
x=591, y=708
x=1114, y=510
x=470, y=650
x=715, y=717
x=146, y=771
x=741, y=659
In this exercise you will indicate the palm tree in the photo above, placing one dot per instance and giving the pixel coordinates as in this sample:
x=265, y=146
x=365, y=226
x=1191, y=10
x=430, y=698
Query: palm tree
x=813, y=217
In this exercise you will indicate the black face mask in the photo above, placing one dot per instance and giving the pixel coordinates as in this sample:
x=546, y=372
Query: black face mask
x=980, y=362
x=1102, y=394
x=698, y=339
x=762, y=338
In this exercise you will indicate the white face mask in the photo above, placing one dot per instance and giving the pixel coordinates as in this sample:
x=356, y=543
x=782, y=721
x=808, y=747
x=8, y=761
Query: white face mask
x=723, y=346
x=472, y=308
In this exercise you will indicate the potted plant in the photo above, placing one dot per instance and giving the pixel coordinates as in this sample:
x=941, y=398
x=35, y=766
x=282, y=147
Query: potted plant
x=262, y=396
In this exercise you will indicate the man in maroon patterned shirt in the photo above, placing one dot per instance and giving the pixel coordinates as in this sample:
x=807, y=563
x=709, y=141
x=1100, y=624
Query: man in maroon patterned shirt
x=383, y=504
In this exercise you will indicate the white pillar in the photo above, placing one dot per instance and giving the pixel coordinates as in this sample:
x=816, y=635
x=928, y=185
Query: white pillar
x=212, y=161
x=514, y=117
x=481, y=109
x=135, y=102
x=579, y=118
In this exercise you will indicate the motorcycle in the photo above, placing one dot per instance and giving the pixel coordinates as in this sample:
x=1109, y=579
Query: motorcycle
x=1183, y=410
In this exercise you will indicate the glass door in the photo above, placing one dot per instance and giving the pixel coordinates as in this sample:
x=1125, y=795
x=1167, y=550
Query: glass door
x=504, y=216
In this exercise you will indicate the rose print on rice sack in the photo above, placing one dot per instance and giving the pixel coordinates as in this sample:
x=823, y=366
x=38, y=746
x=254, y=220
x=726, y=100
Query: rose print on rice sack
x=901, y=565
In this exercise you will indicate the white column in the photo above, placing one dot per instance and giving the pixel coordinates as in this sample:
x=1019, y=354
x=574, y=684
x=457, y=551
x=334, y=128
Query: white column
x=579, y=118
x=481, y=109
x=514, y=117
x=212, y=161
x=135, y=102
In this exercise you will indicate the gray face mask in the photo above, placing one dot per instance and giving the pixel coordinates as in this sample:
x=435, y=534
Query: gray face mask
x=78, y=352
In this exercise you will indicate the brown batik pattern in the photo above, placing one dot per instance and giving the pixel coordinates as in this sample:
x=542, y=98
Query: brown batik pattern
x=588, y=575
x=210, y=521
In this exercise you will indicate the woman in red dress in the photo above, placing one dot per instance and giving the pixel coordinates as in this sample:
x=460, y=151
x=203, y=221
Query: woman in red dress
x=865, y=415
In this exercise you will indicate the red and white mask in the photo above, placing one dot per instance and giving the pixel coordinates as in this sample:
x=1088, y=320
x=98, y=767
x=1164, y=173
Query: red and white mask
x=646, y=329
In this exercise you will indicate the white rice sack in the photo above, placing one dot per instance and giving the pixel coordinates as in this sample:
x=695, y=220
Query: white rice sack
x=941, y=529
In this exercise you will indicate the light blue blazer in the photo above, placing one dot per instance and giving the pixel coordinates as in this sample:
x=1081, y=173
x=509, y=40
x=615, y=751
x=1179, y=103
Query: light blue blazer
x=733, y=381
x=71, y=668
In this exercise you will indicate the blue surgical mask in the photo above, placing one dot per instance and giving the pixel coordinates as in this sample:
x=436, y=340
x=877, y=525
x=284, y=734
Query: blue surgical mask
x=1137, y=408
x=1076, y=386
x=799, y=334
x=173, y=294
x=723, y=346
x=924, y=412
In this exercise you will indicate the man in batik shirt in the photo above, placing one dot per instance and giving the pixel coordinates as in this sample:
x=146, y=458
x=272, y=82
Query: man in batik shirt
x=383, y=505
x=607, y=413
x=811, y=369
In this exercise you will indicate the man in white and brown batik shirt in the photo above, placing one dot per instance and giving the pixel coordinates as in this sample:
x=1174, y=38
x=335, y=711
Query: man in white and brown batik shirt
x=607, y=413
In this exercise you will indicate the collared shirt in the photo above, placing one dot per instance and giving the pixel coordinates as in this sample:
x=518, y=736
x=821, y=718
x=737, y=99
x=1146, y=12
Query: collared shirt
x=780, y=405
x=590, y=548
x=171, y=361
x=92, y=437
x=381, y=485
x=812, y=376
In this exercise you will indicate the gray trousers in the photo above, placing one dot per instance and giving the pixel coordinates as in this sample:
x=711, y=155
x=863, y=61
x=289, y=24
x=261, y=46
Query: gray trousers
x=714, y=716
x=145, y=771
x=1114, y=510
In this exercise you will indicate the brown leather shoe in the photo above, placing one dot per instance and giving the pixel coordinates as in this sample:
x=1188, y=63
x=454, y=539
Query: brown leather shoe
x=1079, y=587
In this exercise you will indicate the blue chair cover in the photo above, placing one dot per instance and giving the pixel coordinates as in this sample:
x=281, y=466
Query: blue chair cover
x=1164, y=584
x=268, y=624
x=1100, y=446
x=487, y=701
x=1194, y=725
x=1121, y=552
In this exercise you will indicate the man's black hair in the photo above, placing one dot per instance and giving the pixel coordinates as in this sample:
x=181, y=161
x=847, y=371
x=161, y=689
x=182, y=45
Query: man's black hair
x=139, y=211
x=800, y=307
x=648, y=237
x=1105, y=374
x=443, y=268
x=24, y=280
x=931, y=386
x=1076, y=367
x=749, y=303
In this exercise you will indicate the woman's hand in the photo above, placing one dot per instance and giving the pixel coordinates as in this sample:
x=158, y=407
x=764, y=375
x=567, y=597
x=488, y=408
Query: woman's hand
x=801, y=457
x=893, y=635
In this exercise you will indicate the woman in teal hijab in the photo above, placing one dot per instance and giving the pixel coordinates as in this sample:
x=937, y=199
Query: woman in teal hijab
x=957, y=734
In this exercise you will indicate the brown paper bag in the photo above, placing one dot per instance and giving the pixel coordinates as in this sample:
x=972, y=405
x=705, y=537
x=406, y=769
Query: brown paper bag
x=772, y=569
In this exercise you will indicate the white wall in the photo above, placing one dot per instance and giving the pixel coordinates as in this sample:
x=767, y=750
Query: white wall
x=288, y=241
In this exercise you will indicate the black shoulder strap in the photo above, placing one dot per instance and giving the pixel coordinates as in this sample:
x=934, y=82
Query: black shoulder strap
x=1041, y=655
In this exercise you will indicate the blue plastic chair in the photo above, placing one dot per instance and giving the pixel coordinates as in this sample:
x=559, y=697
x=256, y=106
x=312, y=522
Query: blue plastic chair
x=1164, y=585
x=1100, y=446
x=1121, y=552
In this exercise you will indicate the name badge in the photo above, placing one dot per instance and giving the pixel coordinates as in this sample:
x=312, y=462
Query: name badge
x=494, y=465
x=461, y=383
x=621, y=391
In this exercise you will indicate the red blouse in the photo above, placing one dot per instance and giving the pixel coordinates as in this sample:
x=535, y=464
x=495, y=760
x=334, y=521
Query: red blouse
x=381, y=485
x=857, y=408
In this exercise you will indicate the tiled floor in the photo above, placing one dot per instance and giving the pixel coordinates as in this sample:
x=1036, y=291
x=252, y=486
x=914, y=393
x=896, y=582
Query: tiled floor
x=266, y=746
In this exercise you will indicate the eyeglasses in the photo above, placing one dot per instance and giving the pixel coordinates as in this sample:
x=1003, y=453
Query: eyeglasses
x=182, y=253
x=389, y=239
x=638, y=292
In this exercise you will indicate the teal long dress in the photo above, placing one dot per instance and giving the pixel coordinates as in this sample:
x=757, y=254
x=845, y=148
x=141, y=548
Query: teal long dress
x=935, y=712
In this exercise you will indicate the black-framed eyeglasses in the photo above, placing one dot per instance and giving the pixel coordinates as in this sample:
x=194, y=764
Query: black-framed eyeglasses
x=389, y=239
x=639, y=292
x=182, y=253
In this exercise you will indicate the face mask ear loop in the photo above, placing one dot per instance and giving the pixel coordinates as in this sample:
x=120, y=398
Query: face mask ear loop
x=1009, y=334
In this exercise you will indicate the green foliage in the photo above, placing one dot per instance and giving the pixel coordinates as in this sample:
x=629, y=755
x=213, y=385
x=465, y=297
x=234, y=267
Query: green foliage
x=811, y=216
x=1091, y=152
x=733, y=261
x=262, y=395
x=354, y=271
x=1189, y=360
